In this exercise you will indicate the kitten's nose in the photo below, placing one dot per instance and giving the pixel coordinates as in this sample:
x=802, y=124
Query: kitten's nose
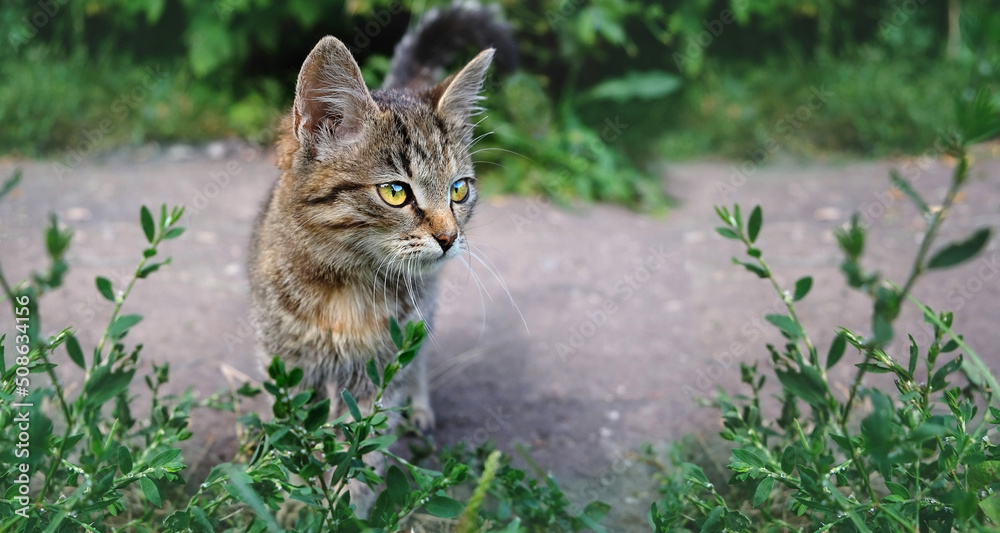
x=446, y=240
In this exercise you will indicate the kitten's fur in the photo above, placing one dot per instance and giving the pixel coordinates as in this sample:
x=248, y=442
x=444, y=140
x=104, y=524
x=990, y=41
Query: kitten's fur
x=330, y=260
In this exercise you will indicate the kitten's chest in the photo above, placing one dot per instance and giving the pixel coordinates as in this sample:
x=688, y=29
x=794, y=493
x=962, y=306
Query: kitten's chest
x=354, y=325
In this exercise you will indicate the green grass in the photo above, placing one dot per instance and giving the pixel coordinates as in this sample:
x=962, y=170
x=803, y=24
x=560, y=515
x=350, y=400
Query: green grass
x=877, y=105
x=51, y=104
x=551, y=137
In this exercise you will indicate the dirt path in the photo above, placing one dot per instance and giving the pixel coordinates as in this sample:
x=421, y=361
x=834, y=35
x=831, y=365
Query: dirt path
x=627, y=319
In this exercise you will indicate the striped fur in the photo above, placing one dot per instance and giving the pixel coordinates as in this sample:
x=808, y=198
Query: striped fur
x=330, y=261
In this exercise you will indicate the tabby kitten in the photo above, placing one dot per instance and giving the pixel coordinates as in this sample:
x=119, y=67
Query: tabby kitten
x=376, y=191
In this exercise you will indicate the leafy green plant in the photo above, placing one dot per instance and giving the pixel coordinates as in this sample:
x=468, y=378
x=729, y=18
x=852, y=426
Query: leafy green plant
x=534, y=149
x=90, y=463
x=83, y=466
x=920, y=459
x=211, y=55
x=874, y=67
x=526, y=503
x=590, y=68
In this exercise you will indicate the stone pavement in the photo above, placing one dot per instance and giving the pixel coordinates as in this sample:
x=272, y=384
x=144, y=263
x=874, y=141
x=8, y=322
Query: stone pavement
x=614, y=325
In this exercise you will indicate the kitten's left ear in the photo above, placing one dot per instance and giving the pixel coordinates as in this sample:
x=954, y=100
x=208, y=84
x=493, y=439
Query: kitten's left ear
x=457, y=95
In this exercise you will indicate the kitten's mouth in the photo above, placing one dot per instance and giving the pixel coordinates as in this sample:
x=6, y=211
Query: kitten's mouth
x=427, y=264
x=425, y=261
x=441, y=259
x=444, y=255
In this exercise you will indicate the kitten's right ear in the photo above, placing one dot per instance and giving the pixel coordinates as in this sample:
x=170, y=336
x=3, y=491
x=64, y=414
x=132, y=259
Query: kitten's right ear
x=331, y=99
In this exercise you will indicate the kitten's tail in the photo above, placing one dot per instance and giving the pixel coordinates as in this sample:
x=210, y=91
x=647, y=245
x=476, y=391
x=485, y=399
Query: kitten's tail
x=426, y=49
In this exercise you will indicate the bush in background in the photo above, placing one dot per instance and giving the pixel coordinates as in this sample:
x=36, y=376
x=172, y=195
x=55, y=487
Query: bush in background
x=606, y=85
x=229, y=69
x=891, y=70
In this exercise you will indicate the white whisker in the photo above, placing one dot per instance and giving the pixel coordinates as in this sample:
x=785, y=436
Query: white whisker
x=478, y=279
x=479, y=287
x=420, y=314
x=492, y=163
x=385, y=285
x=375, y=278
x=493, y=148
x=399, y=272
x=479, y=138
x=451, y=368
x=500, y=280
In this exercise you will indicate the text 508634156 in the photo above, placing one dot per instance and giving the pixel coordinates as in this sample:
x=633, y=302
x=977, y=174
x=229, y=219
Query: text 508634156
x=22, y=421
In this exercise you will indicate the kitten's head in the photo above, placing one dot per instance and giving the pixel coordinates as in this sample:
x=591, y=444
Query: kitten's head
x=379, y=178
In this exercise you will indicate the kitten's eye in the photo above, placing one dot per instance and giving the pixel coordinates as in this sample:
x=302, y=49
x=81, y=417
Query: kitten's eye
x=394, y=194
x=460, y=191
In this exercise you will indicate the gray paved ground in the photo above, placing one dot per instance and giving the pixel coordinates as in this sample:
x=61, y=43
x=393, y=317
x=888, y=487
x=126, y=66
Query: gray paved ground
x=608, y=355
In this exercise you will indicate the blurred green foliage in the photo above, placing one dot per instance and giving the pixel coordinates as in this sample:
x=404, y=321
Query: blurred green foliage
x=891, y=70
x=606, y=85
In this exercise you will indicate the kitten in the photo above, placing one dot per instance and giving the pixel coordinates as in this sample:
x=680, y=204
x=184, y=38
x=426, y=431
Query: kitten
x=376, y=191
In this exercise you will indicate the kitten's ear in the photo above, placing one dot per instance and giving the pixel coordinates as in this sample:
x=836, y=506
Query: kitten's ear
x=457, y=95
x=331, y=99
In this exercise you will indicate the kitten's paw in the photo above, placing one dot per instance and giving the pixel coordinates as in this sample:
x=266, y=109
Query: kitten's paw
x=422, y=416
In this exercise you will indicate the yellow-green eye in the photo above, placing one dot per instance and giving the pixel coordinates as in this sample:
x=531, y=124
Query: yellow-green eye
x=394, y=194
x=460, y=191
